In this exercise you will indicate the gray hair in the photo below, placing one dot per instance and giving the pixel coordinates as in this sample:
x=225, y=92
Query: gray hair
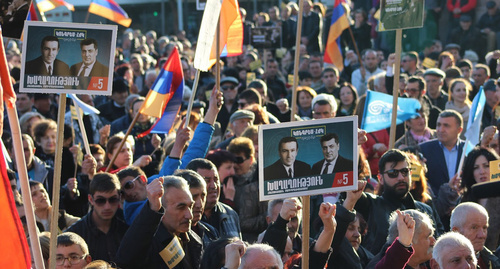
x=326, y=97
x=175, y=182
x=451, y=240
x=260, y=248
x=419, y=217
x=272, y=204
x=459, y=214
x=130, y=100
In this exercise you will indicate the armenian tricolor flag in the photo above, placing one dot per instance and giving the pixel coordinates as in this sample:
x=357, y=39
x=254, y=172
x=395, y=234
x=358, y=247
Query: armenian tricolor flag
x=165, y=97
x=333, y=55
x=46, y=5
x=110, y=10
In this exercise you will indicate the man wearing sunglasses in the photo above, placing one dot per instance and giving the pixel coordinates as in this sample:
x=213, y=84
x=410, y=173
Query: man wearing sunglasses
x=229, y=88
x=395, y=182
x=102, y=228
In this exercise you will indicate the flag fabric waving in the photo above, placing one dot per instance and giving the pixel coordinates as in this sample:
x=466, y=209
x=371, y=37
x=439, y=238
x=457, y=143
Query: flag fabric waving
x=110, y=10
x=164, y=99
x=13, y=246
x=231, y=31
x=32, y=13
x=83, y=106
x=474, y=124
x=333, y=54
x=46, y=5
x=378, y=111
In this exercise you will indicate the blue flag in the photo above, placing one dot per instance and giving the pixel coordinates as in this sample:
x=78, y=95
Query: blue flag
x=474, y=124
x=378, y=110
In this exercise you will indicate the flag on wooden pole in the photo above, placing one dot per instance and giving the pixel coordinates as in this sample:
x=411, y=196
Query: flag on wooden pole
x=164, y=99
x=206, y=35
x=333, y=54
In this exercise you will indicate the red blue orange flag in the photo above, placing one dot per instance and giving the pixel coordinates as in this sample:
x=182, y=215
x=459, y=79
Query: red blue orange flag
x=333, y=55
x=46, y=5
x=110, y=10
x=231, y=31
x=164, y=99
x=32, y=13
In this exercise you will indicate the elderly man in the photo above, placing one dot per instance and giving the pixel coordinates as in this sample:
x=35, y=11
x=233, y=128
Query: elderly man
x=471, y=220
x=409, y=243
x=238, y=122
x=434, y=79
x=395, y=182
x=324, y=106
x=162, y=228
x=453, y=250
x=238, y=256
x=360, y=76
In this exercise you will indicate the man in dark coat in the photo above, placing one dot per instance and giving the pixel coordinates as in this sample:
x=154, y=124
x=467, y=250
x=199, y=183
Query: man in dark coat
x=333, y=162
x=89, y=67
x=47, y=64
x=161, y=233
x=287, y=166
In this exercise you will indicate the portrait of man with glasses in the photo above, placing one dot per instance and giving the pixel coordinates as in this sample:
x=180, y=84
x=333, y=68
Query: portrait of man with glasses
x=103, y=227
x=395, y=184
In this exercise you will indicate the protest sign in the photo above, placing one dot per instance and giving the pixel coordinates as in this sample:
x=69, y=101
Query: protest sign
x=401, y=14
x=265, y=37
x=308, y=157
x=68, y=58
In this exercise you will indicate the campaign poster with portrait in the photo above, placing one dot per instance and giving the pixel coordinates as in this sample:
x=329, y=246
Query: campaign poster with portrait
x=401, y=14
x=265, y=37
x=68, y=58
x=308, y=157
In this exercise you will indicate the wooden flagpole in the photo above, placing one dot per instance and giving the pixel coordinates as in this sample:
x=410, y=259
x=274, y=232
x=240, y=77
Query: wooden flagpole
x=56, y=185
x=82, y=128
x=20, y=162
x=305, y=199
x=117, y=151
x=395, y=90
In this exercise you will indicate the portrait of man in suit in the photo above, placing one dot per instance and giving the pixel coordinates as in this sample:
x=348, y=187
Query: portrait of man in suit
x=89, y=67
x=287, y=166
x=332, y=162
x=47, y=64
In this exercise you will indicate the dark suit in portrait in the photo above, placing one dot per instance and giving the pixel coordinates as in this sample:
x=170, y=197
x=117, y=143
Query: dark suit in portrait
x=98, y=70
x=37, y=67
x=341, y=165
x=277, y=170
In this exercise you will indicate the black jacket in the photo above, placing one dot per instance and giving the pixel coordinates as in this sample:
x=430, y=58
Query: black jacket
x=147, y=236
x=101, y=246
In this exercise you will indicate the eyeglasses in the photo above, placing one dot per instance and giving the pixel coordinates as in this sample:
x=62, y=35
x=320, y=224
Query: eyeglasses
x=240, y=159
x=225, y=88
x=101, y=201
x=394, y=173
x=131, y=184
x=72, y=259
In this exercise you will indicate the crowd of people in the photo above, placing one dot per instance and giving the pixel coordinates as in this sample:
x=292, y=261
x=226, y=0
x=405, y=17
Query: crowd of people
x=189, y=199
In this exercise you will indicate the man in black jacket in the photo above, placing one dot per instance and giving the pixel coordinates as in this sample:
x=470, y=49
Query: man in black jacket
x=287, y=166
x=102, y=228
x=155, y=241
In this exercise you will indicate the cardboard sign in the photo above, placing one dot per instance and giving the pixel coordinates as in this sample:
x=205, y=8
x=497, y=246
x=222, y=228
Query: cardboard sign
x=255, y=65
x=250, y=77
x=495, y=170
x=173, y=253
x=401, y=14
x=308, y=157
x=68, y=58
x=415, y=171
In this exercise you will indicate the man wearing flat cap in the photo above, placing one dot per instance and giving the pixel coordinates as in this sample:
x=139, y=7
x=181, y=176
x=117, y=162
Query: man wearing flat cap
x=434, y=79
x=238, y=122
x=229, y=88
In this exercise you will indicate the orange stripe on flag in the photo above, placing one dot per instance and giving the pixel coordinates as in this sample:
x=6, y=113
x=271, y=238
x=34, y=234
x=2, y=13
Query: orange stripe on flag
x=154, y=104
